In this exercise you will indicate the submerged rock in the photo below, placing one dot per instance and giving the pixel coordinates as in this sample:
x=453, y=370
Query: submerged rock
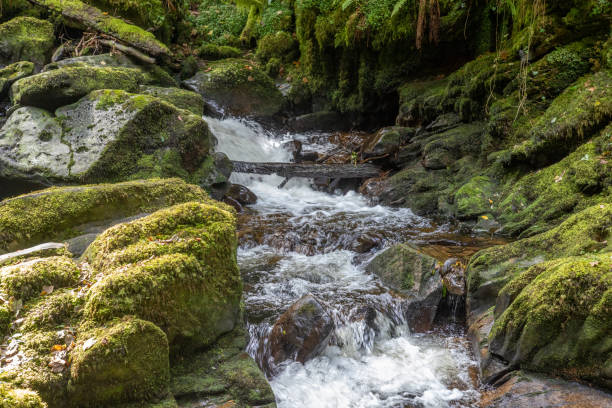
x=415, y=275
x=239, y=87
x=26, y=39
x=300, y=334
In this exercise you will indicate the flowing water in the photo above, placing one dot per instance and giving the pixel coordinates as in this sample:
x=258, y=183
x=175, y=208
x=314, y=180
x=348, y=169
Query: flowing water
x=297, y=240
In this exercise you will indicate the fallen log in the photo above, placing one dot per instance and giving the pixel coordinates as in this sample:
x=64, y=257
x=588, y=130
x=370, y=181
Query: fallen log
x=93, y=18
x=290, y=170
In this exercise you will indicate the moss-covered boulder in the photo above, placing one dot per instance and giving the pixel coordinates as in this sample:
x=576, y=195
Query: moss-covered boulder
x=181, y=98
x=238, y=86
x=127, y=361
x=26, y=39
x=475, y=197
x=58, y=213
x=541, y=199
x=176, y=268
x=416, y=276
x=14, y=72
x=222, y=374
x=491, y=269
x=109, y=135
x=58, y=87
x=558, y=318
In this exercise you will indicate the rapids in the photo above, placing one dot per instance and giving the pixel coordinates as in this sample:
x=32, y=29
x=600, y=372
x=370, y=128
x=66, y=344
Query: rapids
x=306, y=245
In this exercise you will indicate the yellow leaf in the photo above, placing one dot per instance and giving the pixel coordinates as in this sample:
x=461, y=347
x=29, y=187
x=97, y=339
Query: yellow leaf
x=58, y=347
x=484, y=217
x=597, y=103
x=490, y=201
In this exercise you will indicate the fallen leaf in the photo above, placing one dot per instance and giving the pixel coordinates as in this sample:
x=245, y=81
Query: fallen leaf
x=46, y=290
x=597, y=103
x=305, y=80
x=58, y=347
x=57, y=365
x=594, y=263
x=89, y=344
x=602, y=206
x=490, y=201
x=603, y=161
x=180, y=118
x=250, y=78
x=484, y=217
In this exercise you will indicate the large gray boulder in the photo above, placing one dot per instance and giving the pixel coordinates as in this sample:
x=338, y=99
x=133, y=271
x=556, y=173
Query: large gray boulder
x=109, y=135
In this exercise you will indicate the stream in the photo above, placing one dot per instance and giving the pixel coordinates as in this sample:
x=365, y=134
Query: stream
x=297, y=240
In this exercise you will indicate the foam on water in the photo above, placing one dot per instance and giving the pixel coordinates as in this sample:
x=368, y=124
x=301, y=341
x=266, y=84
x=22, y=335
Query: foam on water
x=367, y=364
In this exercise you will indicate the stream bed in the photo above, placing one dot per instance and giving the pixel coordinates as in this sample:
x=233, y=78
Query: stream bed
x=297, y=240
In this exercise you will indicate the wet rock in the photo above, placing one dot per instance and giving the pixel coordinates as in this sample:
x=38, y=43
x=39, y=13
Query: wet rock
x=108, y=135
x=529, y=390
x=222, y=374
x=14, y=72
x=447, y=147
x=453, y=276
x=57, y=213
x=387, y=141
x=300, y=334
x=365, y=242
x=239, y=87
x=444, y=122
x=26, y=39
x=241, y=194
x=126, y=362
x=415, y=275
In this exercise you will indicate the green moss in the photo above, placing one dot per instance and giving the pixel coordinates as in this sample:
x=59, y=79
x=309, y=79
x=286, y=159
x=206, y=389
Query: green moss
x=180, y=98
x=240, y=86
x=542, y=199
x=559, y=318
x=277, y=16
x=148, y=14
x=62, y=307
x=578, y=112
x=279, y=45
x=27, y=279
x=19, y=398
x=214, y=52
x=218, y=22
x=14, y=72
x=133, y=35
x=127, y=361
x=64, y=86
x=176, y=268
x=54, y=213
x=475, y=197
x=26, y=39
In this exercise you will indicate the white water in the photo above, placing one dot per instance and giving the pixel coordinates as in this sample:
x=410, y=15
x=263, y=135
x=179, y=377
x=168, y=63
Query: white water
x=364, y=366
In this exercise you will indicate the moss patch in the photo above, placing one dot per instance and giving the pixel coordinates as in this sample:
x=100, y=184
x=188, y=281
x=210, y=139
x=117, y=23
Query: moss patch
x=26, y=39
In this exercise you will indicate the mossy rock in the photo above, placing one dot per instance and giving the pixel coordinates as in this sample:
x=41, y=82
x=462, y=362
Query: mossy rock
x=491, y=269
x=558, y=319
x=475, y=197
x=580, y=111
x=181, y=98
x=103, y=137
x=26, y=39
x=14, y=72
x=238, y=86
x=176, y=268
x=26, y=280
x=541, y=199
x=414, y=274
x=40, y=251
x=63, y=86
x=279, y=45
x=128, y=361
x=57, y=213
x=215, y=52
x=235, y=377
x=19, y=398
